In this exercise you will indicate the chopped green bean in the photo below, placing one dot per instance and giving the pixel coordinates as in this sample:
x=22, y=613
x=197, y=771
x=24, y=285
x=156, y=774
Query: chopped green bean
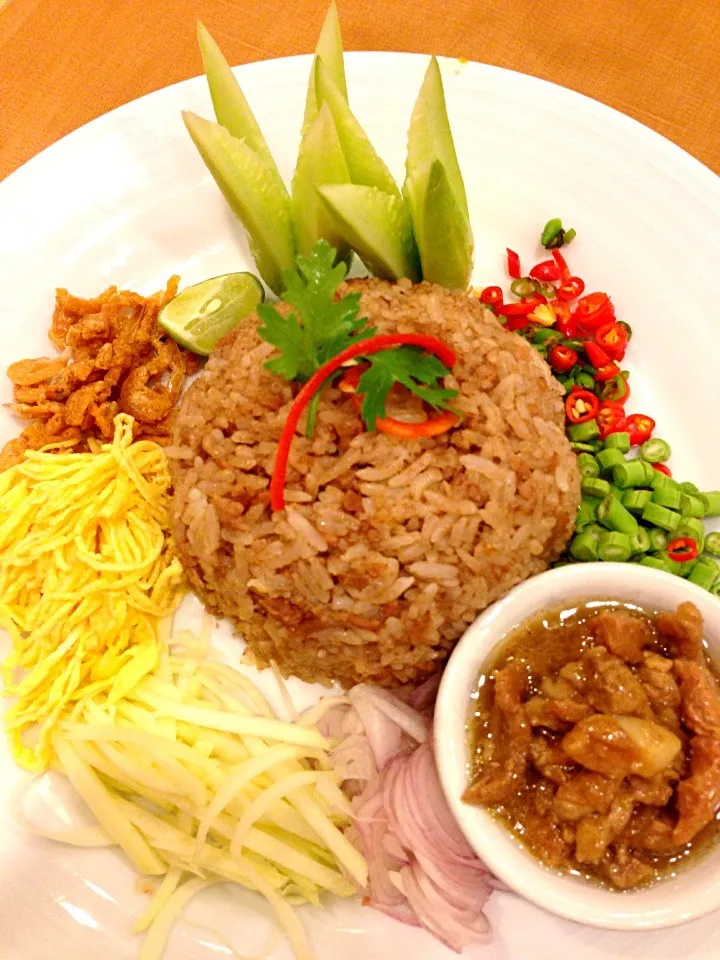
x=668, y=497
x=713, y=503
x=715, y=589
x=617, y=492
x=712, y=544
x=659, y=516
x=618, y=441
x=635, y=500
x=614, y=546
x=672, y=566
x=640, y=543
x=613, y=515
x=690, y=527
x=657, y=562
x=584, y=547
x=688, y=487
x=655, y=450
x=630, y=474
x=595, y=487
x=660, y=480
x=582, y=432
x=692, y=506
x=588, y=465
x=608, y=457
x=582, y=447
x=585, y=514
x=658, y=538
x=703, y=575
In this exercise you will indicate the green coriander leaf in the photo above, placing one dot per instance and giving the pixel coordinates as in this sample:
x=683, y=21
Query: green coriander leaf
x=417, y=371
x=375, y=383
x=288, y=336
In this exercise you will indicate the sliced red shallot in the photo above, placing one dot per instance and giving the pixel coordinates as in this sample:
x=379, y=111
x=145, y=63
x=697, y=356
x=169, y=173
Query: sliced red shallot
x=421, y=869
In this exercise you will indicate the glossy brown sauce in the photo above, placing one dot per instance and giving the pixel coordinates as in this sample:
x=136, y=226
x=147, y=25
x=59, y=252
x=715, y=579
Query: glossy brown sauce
x=541, y=647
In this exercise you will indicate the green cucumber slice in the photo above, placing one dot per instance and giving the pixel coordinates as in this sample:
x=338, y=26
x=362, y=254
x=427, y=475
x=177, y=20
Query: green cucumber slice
x=232, y=110
x=252, y=194
x=365, y=166
x=377, y=226
x=442, y=231
x=329, y=49
x=430, y=137
x=320, y=161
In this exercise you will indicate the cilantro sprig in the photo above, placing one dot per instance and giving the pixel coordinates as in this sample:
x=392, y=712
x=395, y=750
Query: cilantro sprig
x=320, y=326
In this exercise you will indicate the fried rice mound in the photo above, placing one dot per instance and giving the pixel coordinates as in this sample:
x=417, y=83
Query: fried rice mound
x=388, y=548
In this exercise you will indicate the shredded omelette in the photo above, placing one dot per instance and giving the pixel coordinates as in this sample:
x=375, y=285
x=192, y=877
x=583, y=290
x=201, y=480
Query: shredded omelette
x=88, y=571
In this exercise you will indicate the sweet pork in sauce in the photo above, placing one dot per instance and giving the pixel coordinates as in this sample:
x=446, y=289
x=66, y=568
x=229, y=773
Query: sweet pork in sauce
x=596, y=741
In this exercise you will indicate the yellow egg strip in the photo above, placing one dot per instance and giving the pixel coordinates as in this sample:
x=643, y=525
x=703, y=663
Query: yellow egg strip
x=88, y=571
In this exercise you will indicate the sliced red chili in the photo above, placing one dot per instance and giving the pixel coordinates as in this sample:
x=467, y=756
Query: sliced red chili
x=682, y=549
x=596, y=355
x=610, y=419
x=562, y=265
x=521, y=309
x=640, y=428
x=566, y=323
x=492, y=296
x=662, y=468
x=308, y=390
x=516, y=323
x=432, y=427
x=546, y=270
x=607, y=372
x=613, y=338
x=594, y=310
x=571, y=288
x=581, y=406
x=616, y=389
x=562, y=358
x=513, y=264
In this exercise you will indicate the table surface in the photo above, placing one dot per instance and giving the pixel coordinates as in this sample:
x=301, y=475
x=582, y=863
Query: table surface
x=63, y=63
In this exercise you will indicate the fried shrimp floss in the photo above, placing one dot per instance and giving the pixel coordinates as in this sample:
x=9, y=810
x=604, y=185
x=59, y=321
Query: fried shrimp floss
x=87, y=572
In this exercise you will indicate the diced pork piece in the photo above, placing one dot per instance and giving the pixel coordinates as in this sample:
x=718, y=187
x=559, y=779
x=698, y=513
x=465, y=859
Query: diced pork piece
x=622, y=634
x=595, y=832
x=612, y=686
x=700, y=697
x=584, y=793
x=683, y=630
x=698, y=796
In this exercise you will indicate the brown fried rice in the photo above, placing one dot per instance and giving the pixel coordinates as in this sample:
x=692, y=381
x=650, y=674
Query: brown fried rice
x=388, y=548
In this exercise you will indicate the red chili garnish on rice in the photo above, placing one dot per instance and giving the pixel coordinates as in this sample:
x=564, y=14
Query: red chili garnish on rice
x=362, y=348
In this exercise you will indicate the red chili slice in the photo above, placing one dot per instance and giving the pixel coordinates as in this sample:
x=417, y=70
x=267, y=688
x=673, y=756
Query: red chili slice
x=596, y=355
x=581, y=406
x=521, y=309
x=547, y=270
x=607, y=372
x=616, y=389
x=566, y=323
x=571, y=288
x=594, y=310
x=682, y=549
x=562, y=358
x=610, y=420
x=513, y=264
x=492, y=296
x=640, y=428
x=613, y=338
x=662, y=468
x=562, y=265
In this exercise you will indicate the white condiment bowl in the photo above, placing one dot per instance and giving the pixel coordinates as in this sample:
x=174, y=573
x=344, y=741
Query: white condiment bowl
x=695, y=891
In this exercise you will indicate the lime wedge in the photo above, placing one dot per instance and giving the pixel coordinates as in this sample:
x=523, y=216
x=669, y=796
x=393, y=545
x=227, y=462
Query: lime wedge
x=200, y=315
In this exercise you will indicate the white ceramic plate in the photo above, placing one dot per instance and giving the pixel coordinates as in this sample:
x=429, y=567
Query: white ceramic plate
x=126, y=200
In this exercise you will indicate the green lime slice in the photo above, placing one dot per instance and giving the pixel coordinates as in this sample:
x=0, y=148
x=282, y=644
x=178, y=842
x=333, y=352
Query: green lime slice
x=200, y=315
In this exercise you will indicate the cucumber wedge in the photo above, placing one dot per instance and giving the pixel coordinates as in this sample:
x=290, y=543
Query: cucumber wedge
x=430, y=137
x=365, y=166
x=329, y=49
x=442, y=230
x=232, y=110
x=252, y=194
x=377, y=226
x=320, y=161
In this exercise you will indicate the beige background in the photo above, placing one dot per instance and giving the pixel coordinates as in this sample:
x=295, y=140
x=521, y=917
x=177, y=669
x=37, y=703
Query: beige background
x=63, y=62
